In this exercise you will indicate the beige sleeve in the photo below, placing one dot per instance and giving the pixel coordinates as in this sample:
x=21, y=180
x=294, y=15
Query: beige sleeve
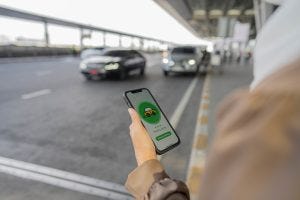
x=150, y=182
x=140, y=180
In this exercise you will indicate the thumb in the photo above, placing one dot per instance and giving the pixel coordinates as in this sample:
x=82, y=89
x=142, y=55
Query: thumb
x=135, y=118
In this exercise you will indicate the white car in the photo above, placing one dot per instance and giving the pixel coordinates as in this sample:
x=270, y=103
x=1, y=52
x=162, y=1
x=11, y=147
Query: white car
x=183, y=59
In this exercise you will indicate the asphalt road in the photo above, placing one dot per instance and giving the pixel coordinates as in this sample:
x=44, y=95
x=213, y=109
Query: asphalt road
x=79, y=126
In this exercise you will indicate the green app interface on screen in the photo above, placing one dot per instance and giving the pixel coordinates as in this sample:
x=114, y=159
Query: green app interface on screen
x=156, y=124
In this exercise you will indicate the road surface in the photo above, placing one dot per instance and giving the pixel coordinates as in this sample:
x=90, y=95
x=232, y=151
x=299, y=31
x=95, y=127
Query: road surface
x=51, y=116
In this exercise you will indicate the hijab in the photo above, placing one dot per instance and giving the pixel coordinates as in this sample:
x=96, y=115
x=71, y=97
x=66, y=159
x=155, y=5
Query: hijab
x=278, y=42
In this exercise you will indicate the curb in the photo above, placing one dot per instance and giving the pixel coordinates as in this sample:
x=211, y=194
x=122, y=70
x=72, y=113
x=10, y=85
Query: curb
x=199, y=148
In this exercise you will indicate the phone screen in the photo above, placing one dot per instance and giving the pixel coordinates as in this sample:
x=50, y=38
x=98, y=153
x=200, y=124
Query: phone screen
x=154, y=120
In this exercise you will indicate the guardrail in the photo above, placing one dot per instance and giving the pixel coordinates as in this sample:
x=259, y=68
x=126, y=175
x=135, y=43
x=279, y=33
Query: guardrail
x=23, y=51
x=11, y=51
x=9, y=12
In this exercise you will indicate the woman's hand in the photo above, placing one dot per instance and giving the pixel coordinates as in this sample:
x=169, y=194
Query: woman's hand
x=143, y=146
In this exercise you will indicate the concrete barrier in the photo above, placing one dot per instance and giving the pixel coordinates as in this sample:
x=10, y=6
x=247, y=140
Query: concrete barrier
x=10, y=51
x=25, y=51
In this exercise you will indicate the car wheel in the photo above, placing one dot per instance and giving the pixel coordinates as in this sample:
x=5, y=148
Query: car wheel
x=122, y=74
x=88, y=78
x=196, y=72
x=142, y=72
x=166, y=73
x=198, y=69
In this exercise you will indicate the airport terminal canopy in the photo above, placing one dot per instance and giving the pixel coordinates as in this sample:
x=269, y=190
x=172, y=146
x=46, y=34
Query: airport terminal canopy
x=206, y=18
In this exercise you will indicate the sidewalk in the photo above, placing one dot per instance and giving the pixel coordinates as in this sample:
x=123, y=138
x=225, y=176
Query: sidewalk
x=221, y=85
x=216, y=87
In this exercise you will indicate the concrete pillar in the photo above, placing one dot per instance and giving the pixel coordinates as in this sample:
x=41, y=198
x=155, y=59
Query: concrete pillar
x=81, y=39
x=262, y=11
x=132, y=44
x=141, y=44
x=159, y=45
x=266, y=11
x=46, y=34
x=104, y=39
x=257, y=15
x=231, y=24
x=242, y=56
x=120, y=40
x=223, y=26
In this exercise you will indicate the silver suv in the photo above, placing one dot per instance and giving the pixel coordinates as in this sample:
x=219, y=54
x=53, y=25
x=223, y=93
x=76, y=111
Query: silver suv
x=183, y=59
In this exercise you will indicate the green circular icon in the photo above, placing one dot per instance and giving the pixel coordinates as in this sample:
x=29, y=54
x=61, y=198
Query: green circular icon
x=149, y=112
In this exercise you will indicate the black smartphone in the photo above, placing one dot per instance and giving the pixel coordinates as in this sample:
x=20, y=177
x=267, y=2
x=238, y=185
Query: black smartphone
x=154, y=120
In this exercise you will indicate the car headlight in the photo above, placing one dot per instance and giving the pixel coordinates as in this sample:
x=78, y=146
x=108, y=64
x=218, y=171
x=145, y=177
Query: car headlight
x=112, y=66
x=165, y=60
x=82, y=66
x=192, y=62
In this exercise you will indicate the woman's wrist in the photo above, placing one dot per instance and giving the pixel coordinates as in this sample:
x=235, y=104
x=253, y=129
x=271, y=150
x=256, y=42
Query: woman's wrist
x=145, y=157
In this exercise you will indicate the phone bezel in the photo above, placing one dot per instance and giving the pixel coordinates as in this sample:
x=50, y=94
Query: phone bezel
x=129, y=104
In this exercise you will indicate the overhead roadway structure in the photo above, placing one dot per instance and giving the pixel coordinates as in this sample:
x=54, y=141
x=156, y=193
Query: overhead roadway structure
x=9, y=12
x=211, y=18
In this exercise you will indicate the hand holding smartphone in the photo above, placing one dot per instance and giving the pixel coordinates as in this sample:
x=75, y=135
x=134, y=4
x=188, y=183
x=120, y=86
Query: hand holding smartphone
x=154, y=120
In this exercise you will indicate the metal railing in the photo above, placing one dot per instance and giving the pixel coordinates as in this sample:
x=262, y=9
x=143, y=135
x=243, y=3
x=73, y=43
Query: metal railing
x=9, y=12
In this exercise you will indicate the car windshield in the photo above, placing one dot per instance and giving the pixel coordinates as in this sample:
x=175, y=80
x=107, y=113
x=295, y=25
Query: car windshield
x=183, y=50
x=116, y=53
x=90, y=52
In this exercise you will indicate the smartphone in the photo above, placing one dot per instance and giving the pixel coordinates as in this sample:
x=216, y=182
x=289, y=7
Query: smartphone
x=154, y=120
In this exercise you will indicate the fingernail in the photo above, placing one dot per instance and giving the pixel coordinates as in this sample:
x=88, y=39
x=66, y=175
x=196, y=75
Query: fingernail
x=130, y=110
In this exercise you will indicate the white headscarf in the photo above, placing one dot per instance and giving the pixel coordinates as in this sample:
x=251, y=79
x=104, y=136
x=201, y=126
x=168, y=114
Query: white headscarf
x=277, y=2
x=278, y=43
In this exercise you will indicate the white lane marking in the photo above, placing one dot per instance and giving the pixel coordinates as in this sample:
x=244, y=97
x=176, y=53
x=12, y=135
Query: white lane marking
x=62, y=174
x=36, y=94
x=63, y=183
x=43, y=73
x=63, y=179
x=174, y=120
x=183, y=103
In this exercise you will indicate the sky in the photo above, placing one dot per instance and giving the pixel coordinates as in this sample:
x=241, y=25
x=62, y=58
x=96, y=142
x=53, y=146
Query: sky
x=142, y=17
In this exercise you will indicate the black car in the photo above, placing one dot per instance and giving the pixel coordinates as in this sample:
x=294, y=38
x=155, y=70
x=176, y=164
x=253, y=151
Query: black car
x=113, y=62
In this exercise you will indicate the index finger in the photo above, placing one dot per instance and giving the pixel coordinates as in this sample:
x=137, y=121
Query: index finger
x=135, y=118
